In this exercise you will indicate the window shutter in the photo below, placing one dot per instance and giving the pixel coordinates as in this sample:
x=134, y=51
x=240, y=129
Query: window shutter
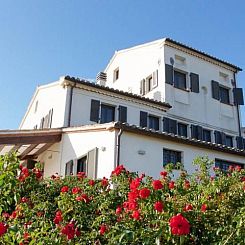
x=95, y=110
x=240, y=143
x=199, y=132
x=143, y=119
x=146, y=83
x=122, y=117
x=50, y=118
x=223, y=138
x=194, y=79
x=92, y=163
x=155, y=79
x=169, y=74
x=194, y=131
x=166, y=124
x=218, y=137
x=215, y=90
x=142, y=87
x=172, y=126
x=69, y=168
x=238, y=96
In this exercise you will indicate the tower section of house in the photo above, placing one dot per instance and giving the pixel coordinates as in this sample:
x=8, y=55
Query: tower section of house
x=202, y=89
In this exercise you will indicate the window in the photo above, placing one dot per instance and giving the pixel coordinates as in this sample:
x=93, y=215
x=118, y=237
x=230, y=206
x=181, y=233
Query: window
x=36, y=106
x=116, y=75
x=149, y=83
x=228, y=141
x=170, y=156
x=153, y=122
x=224, y=95
x=206, y=134
x=179, y=80
x=81, y=164
x=69, y=168
x=224, y=165
x=107, y=113
x=182, y=129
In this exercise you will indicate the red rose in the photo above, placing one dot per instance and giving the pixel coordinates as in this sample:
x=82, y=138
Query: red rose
x=204, y=207
x=238, y=168
x=164, y=174
x=135, y=183
x=58, y=217
x=157, y=184
x=3, y=228
x=187, y=184
x=64, y=189
x=5, y=215
x=75, y=190
x=103, y=229
x=158, y=206
x=144, y=193
x=104, y=182
x=24, y=199
x=91, y=182
x=171, y=185
x=69, y=230
x=83, y=197
x=118, y=170
x=188, y=207
x=133, y=195
x=136, y=215
x=179, y=225
x=118, y=210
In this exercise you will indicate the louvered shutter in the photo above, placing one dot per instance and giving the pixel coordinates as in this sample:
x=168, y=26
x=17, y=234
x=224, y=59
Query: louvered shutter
x=194, y=79
x=155, y=79
x=143, y=119
x=215, y=90
x=240, y=142
x=122, y=113
x=194, y=131
x=238, y=96
x=199, y=132
x=166, y=124
x=95, y=110
x=50, y=118
x=218, y=137
x=223, y=138
x=92, y=163
x=169, y=74
x=142, y=87
x=172, y=126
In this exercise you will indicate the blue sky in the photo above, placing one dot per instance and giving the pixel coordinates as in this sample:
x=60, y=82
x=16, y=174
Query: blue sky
x=44, y=39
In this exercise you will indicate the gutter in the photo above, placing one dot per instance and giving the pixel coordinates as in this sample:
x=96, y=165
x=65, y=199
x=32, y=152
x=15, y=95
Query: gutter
x=118, y=144
x=237, y=108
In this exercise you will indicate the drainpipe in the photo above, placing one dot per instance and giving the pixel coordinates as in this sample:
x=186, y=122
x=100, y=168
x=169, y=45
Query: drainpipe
x=118, y=143
x=237, y=108
x=70, y=105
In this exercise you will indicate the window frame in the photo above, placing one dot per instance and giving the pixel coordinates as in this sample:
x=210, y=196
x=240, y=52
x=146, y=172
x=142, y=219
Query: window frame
x=186, y=128
x=150, y=116
x=176, y=85
x=221, y=164
x=86, y=162
x=179, y=156
x=104, y=106
x=210, y=134
x=230, y=138
x=116, y=74
x=223, y=88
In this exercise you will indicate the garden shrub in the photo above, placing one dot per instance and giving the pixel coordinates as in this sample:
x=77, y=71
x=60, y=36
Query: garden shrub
x=128, y=208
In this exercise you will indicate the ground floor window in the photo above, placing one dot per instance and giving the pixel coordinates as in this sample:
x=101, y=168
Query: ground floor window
x=69, y=168
x=81, y=164
x=171, y=156
x=224, y=165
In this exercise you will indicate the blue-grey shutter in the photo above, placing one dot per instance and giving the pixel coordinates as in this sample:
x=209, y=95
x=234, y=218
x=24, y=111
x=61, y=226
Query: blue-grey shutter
x=194, y=131
x=215, y=90
x=172, y=126
x=169, y=74
x=166, y=124
x=194, y=79
x=122, y=113
x=218, y=137
x=240, y=142
x=238, y=96
x=143, y=119
x=199, y=132
x=223, y=138
x=95, y=110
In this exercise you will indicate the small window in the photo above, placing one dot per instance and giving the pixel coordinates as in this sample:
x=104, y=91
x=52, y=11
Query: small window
x=206, y=135
x=224, y=165
x=116, y=75
x=69, y=168
x=170, y=156
x=107, y=114
x=228, y=141
x=36, y=106
x=149, y=83
x=224, y=95
x=179, y=80
x=81, y=164
x=182, y=129
x=153, y=122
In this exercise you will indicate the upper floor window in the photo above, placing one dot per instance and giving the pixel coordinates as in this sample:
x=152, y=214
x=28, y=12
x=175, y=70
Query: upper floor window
x=116, y=75
x=182, y=129
x=153, y=122
x=224, y=95
x=170, y=156
x=179, y=80
x=229, y=140
x=107, y=113
x=206, y=135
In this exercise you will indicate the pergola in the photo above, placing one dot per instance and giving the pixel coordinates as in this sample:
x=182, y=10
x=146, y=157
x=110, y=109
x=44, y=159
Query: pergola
x=29, y=144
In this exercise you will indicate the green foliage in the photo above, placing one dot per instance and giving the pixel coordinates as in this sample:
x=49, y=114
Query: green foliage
x=126, y=209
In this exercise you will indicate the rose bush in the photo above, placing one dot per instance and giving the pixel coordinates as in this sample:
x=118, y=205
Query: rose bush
x=125, y=209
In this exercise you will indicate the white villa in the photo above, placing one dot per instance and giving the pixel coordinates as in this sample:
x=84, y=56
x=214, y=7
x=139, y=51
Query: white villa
x=155, y=103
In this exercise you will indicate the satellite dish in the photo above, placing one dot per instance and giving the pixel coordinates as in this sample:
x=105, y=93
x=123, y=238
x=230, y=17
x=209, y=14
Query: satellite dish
x=172, y=61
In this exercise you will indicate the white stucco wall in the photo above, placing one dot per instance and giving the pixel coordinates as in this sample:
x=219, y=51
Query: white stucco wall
x=151, y=162
x=51, y=96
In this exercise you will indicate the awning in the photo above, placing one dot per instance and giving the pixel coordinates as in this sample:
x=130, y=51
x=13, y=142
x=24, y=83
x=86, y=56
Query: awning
x=28, y=143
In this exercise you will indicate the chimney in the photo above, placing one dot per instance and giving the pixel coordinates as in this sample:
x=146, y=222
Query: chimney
x=101, y=78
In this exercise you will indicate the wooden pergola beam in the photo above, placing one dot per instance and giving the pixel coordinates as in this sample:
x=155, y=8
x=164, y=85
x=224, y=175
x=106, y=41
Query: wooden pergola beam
x=27, y=151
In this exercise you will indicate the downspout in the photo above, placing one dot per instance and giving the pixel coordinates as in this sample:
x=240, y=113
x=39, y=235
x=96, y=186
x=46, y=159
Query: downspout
x=70, y=105
x=118, y=144
x=237, y=108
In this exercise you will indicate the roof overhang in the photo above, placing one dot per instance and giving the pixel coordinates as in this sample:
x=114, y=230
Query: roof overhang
x=28, y=143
